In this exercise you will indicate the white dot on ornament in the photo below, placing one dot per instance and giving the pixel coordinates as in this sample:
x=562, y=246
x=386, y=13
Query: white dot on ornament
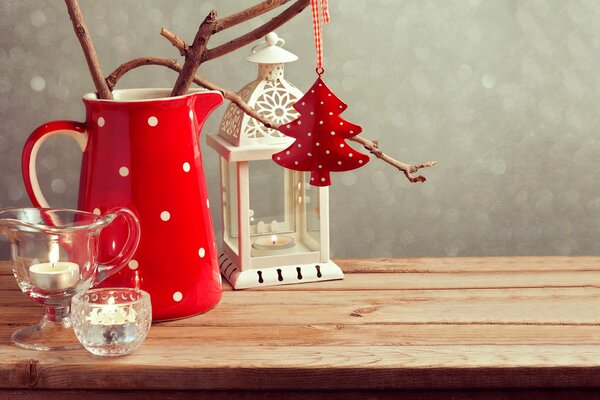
x=299, y=145
x=165, y=215
x=341, y=123
x=330, y=113
x=153, y=121
x=312, y=113
x=332, y=133
x=341, y=106
x=303, y=103
x=186, y=167
x=309, y=154
x=328, y=94
x=339, y=163
x=321, y=122
x=312, y=91
x=322, y=103
x=322, y=179
x=177, y=296
x=326, y=151
x=278, y=158
x=123, y=171
x=287, y=126
x=351, y=131
x=350, y=154
x=96, y=211
x=287, y=152
x=295, y=162
x=101, y=122
x=360, y=161
x=312, y=179
x=201, y=252
x=341, y=144
x=133, y=264
x=299, y=122
x=320, y=166
x=320, y=84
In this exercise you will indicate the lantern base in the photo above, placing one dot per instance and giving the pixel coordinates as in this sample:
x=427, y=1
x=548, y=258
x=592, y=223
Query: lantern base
x=273, y=276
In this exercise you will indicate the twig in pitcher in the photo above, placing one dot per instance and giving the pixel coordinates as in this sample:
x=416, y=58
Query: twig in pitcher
x=89, y=51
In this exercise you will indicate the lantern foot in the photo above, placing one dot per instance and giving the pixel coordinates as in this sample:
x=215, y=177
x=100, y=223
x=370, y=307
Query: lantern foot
x=281, y=275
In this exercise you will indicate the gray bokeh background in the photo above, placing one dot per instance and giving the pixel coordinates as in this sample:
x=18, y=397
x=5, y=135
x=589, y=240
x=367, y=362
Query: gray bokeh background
x=502, y=93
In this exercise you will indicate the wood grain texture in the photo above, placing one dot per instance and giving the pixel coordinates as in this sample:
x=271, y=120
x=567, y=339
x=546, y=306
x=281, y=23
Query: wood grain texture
x=429, y=329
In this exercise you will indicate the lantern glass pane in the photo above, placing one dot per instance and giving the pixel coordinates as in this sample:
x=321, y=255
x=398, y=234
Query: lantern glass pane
x=312, y=209
x=230, y=204
x=271, y=201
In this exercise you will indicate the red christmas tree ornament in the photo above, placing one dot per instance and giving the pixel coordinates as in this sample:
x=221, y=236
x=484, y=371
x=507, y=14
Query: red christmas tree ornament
x=320, y=132
x=320, y=146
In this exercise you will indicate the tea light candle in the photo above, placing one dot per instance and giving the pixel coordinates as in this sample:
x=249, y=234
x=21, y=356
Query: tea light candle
x=54, y=276
x=274, y=242
x=111, y=314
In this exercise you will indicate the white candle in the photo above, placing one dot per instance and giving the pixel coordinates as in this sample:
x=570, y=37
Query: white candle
x=111, y=314
x=272, y=244
x=54, y=276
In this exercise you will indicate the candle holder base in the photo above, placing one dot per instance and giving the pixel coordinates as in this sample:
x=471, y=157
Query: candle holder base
x=53, y=332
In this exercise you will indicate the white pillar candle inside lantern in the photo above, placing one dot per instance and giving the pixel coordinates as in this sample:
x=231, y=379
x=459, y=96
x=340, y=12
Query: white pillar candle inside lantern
x=275, y=224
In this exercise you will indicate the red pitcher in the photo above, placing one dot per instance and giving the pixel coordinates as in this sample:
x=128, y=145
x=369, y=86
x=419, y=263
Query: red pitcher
x=141, y=151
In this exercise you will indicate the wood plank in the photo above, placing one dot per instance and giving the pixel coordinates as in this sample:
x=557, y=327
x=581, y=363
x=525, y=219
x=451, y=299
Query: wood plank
x=474, y=306
x=468, y=264
x=451, y=264
x=473, y=394
x=202, y=366
x=374, y=335
x=412, y=281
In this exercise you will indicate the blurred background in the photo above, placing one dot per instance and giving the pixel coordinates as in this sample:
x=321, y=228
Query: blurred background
x=502, y=93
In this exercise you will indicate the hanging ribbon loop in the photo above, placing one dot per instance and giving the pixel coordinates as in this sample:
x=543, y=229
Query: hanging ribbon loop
x=320, y=16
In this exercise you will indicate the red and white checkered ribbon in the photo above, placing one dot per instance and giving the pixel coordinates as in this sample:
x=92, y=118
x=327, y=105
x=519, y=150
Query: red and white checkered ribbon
x=320, y=16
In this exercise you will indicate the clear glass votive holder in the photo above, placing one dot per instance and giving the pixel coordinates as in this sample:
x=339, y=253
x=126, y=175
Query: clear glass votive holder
x=111, y=321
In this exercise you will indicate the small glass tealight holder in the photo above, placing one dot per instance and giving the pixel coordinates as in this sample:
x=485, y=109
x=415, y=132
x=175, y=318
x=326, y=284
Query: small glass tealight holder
x=111, y=321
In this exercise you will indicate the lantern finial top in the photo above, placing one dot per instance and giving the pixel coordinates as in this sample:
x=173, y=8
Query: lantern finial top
x=271, y=52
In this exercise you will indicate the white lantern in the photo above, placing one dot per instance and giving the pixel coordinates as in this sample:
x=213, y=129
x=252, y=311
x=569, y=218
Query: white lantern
x=275, y=224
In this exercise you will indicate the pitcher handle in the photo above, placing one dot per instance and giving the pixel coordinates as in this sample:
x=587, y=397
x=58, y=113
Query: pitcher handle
x=72, y=129
x=113, y=266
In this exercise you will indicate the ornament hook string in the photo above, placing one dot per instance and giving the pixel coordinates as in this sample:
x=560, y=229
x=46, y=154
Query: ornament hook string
x=320, y=71
x=318, y=21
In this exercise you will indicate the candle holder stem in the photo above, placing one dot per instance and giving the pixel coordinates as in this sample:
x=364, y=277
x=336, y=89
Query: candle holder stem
x=53, y=332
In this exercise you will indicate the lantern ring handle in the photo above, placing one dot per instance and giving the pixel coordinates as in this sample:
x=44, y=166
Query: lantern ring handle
x=320, y=70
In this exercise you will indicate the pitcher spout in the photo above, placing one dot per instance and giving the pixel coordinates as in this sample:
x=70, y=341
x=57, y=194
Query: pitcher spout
x=205, y=102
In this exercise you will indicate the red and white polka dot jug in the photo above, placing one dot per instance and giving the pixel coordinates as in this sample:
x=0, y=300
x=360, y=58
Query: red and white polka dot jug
x=141, y=151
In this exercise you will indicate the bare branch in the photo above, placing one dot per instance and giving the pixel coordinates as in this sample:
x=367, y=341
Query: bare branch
x=248, y=14
x=176, y=41
x=171, y=63
x=195, y=55
x=257, y=33
x=114, y=77
x=373, y=147
x=87, y=46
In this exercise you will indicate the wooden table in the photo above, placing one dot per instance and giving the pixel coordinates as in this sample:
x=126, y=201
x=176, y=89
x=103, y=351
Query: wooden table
x=429, y=328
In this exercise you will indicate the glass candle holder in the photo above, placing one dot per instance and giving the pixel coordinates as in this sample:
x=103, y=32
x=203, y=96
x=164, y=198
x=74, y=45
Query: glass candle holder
x=111, y=322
